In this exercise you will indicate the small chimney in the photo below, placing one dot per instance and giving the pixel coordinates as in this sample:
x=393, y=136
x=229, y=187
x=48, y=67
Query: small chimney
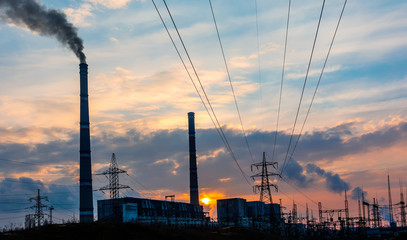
x=193, y=172
x=85, y=166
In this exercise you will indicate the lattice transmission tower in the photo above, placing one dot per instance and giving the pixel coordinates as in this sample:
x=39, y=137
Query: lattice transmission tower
x=38, y=218
x=113, y=175
x=265, y=184
x=114, y=187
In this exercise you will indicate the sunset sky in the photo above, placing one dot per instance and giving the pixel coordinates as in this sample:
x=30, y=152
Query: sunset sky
x=140, y=94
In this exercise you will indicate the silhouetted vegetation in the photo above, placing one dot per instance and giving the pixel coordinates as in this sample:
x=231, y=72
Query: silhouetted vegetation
x=129, y=231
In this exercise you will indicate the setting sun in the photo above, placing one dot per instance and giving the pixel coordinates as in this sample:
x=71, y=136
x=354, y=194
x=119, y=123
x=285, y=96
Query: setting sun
x=205, y=200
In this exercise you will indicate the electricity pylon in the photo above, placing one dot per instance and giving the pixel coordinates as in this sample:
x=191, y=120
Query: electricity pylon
x=264, y=186
x=113, y=175
x=114, y=186
x=38, y=218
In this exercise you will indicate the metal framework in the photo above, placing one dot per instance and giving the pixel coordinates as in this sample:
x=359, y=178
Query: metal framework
x=114, y=186
x=331, y=212
x=402, y=207
x=264, y=186
x=38, y=218
x=391, y=219
x=113, y=175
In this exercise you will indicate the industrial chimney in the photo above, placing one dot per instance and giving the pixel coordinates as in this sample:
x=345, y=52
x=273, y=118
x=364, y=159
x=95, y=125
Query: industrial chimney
x=85, y=179
x=193, y=172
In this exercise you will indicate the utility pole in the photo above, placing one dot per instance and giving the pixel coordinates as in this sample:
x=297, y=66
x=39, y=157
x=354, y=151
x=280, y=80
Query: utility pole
x=364, y=203
x=114, y=186
x=346, y=210
x=264, y=186
x=294, y=211
x=50, y=214
x=402, y=207
x=359, y=213
x=390, y=201
x=320, y=212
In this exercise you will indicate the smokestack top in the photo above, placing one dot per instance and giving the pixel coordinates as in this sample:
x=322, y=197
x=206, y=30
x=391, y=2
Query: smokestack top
x=191, y=123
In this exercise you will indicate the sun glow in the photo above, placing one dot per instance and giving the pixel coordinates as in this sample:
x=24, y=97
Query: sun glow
x=205, y=201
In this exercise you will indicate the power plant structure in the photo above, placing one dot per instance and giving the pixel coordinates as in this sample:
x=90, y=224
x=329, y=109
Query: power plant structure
x=193, y=172
x=254, y=214
x=85, y=164
x=262, y=215
x=144, y=210
x=130, y=209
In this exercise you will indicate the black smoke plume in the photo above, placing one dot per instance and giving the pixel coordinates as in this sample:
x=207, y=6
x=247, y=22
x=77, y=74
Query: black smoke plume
x=47, y=22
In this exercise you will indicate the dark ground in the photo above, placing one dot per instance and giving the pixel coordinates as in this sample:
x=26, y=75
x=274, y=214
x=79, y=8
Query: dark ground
x=129, y=231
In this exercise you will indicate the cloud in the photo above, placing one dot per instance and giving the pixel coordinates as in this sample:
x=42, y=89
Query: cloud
x=175, y=164
x=137, y=150
x=333, y=143
x=224, y=179
x=240, y=62
x=79, y=16
x=313, y=72
x=114, y=4
x=113, y=39
x=17, y=192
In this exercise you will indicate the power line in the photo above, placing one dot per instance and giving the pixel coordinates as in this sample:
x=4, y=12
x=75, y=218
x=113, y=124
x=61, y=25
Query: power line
x=303, y=87
x=200, y=96
x=222, y=135
x=282, y=79
x=298, y=190
x=319, y=80
x=12, y=217
x=29, y=194
x=37, y=164
x=14, y=161
x=230, y=81
x=259, y=67
x=290, y=198
x=139, y=183
x=36, y=183
x=186, y=69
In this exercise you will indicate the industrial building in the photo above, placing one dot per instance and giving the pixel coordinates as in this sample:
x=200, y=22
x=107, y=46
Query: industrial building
x=239, y=212
x=143, y=210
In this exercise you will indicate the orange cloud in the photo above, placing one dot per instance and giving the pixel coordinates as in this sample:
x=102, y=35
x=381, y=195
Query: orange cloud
x=225, y=179
x=51, y=172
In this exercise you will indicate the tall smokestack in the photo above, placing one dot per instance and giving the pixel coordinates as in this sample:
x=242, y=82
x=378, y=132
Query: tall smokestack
x=193, y=172
x=85, y=178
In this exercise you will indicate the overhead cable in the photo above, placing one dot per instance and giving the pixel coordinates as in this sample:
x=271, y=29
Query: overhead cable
x=217, y=126
x=230, y=81
x=259, y=68
x=282, y=80
x=319, y=80
x=303, y=88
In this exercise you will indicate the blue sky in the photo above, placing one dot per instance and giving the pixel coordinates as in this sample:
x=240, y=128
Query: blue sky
x=140, y=95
